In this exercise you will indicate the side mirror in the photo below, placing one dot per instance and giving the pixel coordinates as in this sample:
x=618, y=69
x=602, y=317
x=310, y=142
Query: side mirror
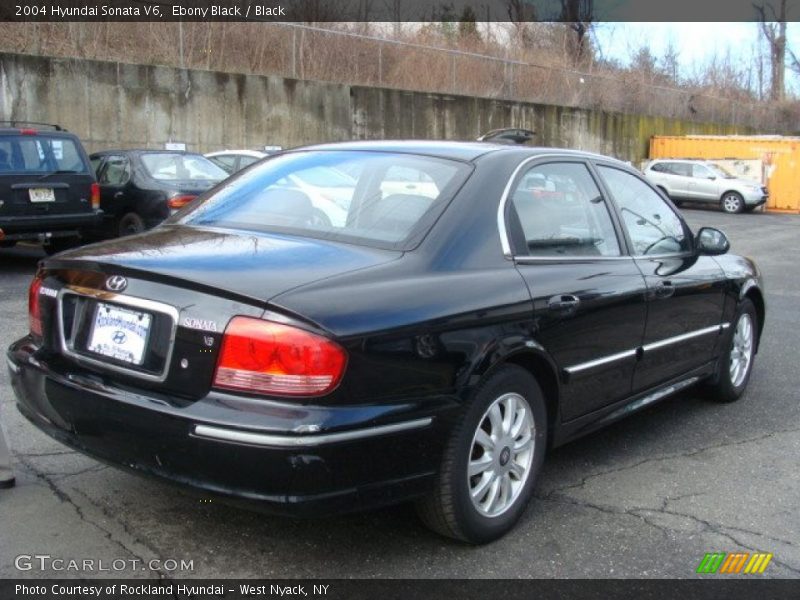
x=711, y=242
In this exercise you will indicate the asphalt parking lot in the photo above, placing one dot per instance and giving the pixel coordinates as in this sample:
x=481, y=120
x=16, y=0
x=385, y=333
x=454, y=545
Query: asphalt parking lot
x=646, y=497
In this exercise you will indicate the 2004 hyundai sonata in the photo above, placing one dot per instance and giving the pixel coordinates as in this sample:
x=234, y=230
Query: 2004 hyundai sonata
x=479, y=304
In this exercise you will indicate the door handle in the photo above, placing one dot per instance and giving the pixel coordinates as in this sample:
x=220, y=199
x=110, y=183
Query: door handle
x=118, y=195
x=664, y=289
x=563, y=302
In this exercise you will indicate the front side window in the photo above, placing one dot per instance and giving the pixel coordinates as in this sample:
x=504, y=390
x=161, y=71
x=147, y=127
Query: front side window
x=702, y=172
x=651, y=224
x=562, y=212
x=339, y=195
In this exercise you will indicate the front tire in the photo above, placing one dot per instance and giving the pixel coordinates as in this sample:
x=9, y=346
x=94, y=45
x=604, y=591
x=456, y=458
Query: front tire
x=736, y=363
x=491, y=461
x=732, y=202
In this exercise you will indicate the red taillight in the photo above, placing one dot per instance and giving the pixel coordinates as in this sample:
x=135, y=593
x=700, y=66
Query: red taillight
x=28, y=132
x=34, y=307
x=177, y=202
x=95, y=195
x=272, y=358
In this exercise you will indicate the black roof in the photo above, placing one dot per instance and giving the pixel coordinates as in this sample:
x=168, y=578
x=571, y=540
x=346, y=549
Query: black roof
x=461, y=151
x=464, y=151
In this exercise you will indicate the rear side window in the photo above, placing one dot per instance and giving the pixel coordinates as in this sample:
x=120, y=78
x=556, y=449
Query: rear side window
x=117, y=171
x=562, y=212
x=682, y=169
x=40, y=154
x=388, y=201
x=225, y=161
x=246, y=161
x=671, y=168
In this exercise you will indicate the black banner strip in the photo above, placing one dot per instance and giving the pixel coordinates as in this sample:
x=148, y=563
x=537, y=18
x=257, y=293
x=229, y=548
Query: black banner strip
x=321, y=11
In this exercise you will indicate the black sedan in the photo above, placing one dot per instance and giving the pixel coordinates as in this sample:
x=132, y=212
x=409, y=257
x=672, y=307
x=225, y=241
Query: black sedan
x=141, y=188
x=430, y=346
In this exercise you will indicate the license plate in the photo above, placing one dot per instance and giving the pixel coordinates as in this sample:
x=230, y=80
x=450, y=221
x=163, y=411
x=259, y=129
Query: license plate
x=42, y=195
x=120, y=333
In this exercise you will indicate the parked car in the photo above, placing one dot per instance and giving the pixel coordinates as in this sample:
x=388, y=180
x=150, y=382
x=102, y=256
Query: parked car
x=235, y=160
x=705, y=181
x=427, y=348
x=141, y=188
x=48, y=191
x=508, y=135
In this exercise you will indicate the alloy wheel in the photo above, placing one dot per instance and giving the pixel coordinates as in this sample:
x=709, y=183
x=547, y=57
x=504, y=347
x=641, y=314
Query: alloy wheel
x=742, y=351
x=732, y=203
x=501, y=455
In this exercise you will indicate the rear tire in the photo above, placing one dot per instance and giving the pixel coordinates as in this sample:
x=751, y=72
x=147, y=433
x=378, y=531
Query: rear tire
x=736, y=363
x=732, y=202
x=491, y=461
x=130, y=224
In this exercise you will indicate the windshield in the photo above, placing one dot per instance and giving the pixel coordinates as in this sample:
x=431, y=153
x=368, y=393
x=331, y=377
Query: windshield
x=167, y=166
x=278, y=196
x=40, y=154
x=721, y=171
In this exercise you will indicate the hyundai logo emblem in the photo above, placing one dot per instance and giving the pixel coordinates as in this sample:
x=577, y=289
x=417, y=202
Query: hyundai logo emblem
x=119, y=337
x=116, y=283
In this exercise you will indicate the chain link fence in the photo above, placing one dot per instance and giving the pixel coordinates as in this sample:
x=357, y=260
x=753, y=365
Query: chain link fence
x=306, y=52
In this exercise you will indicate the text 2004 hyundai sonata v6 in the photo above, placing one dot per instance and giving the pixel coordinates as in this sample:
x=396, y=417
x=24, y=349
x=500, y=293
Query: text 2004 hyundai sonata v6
x=430, y=346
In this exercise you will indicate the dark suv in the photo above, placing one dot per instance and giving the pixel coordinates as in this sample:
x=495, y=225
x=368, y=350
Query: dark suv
x=48, y=190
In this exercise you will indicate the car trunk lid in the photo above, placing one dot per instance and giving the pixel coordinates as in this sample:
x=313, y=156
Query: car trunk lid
x=256, y=266
x=149, y=311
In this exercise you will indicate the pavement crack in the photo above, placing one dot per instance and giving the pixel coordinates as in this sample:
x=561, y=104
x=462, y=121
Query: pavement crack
x=68, y=474
x=42, y=454
x=125, y=528
x=642, y=512
x=690, y=453
x=64, y=497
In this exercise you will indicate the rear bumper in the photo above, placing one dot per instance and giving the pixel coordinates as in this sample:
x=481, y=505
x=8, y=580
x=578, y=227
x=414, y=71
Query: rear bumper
x=347, y=462
x=40, y=226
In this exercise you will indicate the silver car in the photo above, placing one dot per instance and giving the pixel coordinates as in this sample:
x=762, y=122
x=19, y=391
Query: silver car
x=704, y=181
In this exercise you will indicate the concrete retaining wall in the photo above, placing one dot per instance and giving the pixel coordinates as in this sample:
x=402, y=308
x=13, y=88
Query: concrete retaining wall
x=113, y=105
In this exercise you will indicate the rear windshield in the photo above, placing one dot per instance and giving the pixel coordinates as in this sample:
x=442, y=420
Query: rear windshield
x=389, y=201
x=167, y=166
x=40, y=154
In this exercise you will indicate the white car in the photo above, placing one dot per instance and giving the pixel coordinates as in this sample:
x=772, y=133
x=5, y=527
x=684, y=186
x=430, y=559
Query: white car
x=236, y=160
x=705, y=181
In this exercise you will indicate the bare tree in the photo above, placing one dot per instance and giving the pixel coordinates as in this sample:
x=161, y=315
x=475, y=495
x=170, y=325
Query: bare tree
x=520, y=14
x=773, y=27
x=578, y=16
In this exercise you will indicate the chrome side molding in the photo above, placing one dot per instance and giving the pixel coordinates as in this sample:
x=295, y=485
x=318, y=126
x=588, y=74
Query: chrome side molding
x=585, y=366
x=252, y=438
